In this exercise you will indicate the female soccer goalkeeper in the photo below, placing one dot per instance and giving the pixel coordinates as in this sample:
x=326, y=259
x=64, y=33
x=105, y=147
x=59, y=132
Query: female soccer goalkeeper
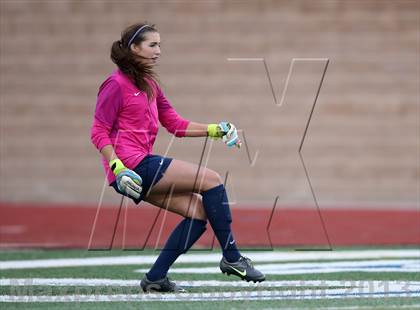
x=129, y=105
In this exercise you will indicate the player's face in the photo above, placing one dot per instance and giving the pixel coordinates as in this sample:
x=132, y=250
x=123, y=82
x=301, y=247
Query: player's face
x=149, y=49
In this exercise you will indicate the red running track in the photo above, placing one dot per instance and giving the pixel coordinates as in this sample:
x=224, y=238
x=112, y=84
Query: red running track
x=58, y=226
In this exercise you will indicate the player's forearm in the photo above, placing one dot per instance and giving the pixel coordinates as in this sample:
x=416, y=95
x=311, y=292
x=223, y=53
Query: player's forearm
x=108, y=152
x=196, y=130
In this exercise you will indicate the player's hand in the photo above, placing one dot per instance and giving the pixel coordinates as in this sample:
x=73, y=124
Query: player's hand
x=226, y=131
x=128, y=181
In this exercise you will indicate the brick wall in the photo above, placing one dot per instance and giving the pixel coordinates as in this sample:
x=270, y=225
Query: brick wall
x=363, y=142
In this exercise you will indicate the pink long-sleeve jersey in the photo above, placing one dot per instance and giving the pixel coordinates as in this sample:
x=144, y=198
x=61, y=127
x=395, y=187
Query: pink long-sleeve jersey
x=126, y=119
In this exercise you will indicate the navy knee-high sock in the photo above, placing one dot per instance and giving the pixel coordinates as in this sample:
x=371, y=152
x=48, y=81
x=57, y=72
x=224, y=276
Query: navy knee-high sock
x=185, y=234
x=216, y=205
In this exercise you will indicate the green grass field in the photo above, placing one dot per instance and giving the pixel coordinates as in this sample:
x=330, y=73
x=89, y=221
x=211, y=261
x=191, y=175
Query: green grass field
x=341, y=279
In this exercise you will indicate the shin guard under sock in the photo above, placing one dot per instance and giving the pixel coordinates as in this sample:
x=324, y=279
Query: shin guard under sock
x=185, y=234
x=216, y=205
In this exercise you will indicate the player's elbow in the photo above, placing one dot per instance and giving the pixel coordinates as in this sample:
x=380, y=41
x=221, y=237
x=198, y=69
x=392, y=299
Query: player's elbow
x=99, y=138
x=178, y=128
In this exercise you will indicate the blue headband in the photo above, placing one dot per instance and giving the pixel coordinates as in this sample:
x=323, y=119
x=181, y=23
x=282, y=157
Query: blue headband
x=135, y=34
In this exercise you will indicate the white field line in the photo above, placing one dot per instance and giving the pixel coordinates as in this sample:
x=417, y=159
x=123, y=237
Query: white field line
x=412, y=265
x=215, y=296
x=356, y=289
x=266, y=256
x=208, y=283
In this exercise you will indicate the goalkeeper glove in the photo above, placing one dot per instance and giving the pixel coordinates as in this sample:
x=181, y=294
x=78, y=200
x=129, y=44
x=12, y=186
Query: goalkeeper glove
x=128, y=181
x=226, y=131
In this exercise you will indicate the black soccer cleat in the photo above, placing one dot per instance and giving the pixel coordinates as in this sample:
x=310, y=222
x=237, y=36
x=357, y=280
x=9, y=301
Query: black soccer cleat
x=243, y=268
x=161, y=286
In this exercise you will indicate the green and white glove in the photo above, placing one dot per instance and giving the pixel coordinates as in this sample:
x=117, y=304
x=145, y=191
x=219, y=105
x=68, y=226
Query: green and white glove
x=226, y=131
x=128, y=181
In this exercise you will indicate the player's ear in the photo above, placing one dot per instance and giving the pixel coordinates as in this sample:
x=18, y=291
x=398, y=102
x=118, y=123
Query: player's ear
x=135, y=48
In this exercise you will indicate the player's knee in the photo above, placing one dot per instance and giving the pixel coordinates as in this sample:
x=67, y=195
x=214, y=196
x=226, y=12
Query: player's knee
x=198, y=216
x=200, y=213
x=212, y=179
x=196, y=211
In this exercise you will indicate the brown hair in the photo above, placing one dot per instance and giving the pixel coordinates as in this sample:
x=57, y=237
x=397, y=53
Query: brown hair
x=128, y=62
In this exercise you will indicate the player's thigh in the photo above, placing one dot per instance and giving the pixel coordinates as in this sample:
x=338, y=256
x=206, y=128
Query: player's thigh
x=185, y=204
x=186, y=177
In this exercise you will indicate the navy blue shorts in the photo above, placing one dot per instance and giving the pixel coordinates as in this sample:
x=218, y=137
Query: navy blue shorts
x=151, y=169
